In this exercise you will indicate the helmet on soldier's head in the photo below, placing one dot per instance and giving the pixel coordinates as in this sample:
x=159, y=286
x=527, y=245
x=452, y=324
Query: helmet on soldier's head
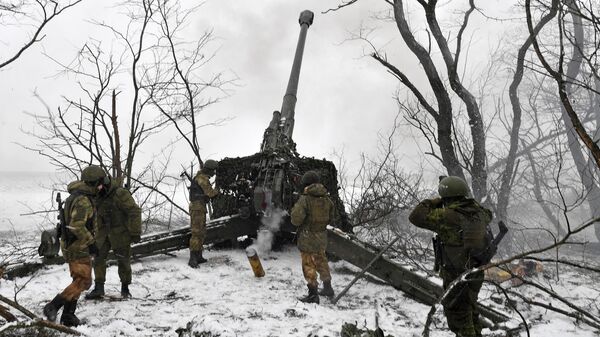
x=453, y=187
x=309, y=178
x=210, y=164
x=92, y=174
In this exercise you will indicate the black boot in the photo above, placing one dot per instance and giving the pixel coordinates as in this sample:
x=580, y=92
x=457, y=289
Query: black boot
x=125, y=291
x=312, y=297
x=327, y=289
x=68, y=317
x=51, y=309
x=200, y=258
x=97, y=293
x=193, y=262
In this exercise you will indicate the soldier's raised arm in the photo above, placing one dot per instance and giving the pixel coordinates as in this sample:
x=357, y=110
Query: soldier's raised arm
x=204, y=183
x=425, y=215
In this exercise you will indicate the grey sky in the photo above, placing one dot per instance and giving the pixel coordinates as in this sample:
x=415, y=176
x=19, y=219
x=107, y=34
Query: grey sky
x=344, y=98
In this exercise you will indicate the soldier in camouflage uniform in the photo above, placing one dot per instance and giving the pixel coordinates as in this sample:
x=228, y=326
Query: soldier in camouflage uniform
x=460, y=223
x=77, y=242
x=200, y=192
x=119, y=223
x=313, y=211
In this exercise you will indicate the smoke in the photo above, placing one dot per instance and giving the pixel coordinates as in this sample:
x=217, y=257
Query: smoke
x=271, y=222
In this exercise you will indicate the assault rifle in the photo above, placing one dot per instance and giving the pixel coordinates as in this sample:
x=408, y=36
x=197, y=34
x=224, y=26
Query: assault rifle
x=485, y=256
x=437, y=253
x=61, y=217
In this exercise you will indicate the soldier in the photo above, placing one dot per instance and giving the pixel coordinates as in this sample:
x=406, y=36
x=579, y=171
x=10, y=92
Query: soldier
x=119, y=223
x=313, y=211
x=200, y=192
x=77, y=242
x=460, y=224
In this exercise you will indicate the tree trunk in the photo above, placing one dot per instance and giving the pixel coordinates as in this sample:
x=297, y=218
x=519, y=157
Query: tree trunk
x=585, y=170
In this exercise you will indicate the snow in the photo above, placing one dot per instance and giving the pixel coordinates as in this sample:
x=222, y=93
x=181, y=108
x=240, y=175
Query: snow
x=223, y=298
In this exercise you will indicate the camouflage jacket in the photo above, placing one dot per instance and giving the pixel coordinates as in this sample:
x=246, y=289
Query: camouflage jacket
x=78, y=216
x=118, y=217
x=203, y=181
x=460, y=224
x=313, y=211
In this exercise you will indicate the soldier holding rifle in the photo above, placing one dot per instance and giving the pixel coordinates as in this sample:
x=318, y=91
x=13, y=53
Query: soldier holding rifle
x=201, y=191
x=77, y=244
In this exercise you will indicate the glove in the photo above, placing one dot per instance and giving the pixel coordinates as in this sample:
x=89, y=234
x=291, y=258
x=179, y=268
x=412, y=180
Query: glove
x=135, y=238
x=93, y=249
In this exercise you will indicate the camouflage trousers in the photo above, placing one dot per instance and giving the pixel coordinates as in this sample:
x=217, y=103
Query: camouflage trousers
x=313, y=263
x=198, y=227
x=460, y=306
x=81, y=272
x=123, y=255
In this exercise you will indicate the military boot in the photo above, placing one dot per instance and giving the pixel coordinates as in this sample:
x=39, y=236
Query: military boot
x=193, y=262
x=200, y=258
x=327, y=289
x=68, y=317
x=312, y=297
x=125, y=291
x=97, y=293
x=51, y=309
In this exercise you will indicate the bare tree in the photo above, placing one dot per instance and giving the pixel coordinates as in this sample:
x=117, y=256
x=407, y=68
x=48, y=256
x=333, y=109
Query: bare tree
x=182, y=94
x=576, y=78
x=561, y=78
x=163, y=88
x=474, y=156
x=41, y=12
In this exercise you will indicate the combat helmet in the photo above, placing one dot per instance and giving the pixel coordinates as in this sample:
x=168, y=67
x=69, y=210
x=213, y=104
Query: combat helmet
x=309, y=178
x=92, y=174
x=210, y=166
x=453, y=187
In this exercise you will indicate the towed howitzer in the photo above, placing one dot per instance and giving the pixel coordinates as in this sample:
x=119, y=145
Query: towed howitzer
x=277, y=145
x=269, y=181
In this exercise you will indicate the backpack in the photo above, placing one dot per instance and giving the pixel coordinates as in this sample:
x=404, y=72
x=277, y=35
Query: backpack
x=484, y=255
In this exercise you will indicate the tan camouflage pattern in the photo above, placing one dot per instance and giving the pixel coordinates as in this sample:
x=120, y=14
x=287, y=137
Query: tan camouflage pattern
x=198, y=228
x=313, y=263
x=313, y=211
x=460, y=226
x=76, y=218
x=81, y=272
x=198, y=212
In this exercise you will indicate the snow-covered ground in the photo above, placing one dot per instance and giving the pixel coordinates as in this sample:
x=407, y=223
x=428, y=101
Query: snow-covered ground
x=223, y=298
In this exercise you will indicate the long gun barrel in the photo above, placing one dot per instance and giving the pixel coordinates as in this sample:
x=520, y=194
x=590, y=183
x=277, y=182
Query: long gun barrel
x=289, y=100
x=281, y=127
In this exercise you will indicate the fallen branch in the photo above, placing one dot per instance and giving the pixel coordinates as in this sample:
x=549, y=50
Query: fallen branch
x=35, y=320
x=18, y=307
x=39, y=324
